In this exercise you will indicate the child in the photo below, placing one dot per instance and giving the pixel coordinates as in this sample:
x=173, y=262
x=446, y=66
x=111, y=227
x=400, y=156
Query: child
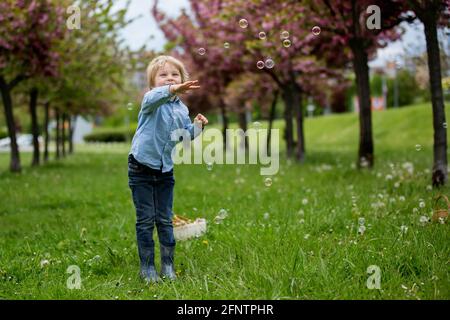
x=150, y=166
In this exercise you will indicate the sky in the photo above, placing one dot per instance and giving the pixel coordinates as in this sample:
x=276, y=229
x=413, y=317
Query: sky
x=145, y=31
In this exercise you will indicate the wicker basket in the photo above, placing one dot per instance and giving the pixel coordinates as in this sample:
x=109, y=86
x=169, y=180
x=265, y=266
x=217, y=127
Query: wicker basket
x=184, y=228
x=440, y=213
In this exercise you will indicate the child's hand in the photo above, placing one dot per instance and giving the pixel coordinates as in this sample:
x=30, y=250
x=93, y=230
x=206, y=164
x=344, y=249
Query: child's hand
x=184, y=87
x=202, y=119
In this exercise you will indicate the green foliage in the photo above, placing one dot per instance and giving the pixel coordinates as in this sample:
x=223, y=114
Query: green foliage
x=408, y=90
x=3, y=133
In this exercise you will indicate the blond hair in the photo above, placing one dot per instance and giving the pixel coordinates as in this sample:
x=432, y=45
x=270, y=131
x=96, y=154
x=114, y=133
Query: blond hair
x=159, y=62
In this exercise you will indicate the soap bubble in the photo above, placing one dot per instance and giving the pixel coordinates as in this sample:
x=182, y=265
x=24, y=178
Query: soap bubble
x=201, y=51
x=268, y=182
x=260, y=64
x=316, y=30
x=286, y=43
x=209, y=166
x=284, y=34
x=269, y=63
x=444, y=125
x=256, y=125
x=226, y=45
x=418, y=147
x=129, y=106
x=262, y=35
x=243, y=23
x=221, y=216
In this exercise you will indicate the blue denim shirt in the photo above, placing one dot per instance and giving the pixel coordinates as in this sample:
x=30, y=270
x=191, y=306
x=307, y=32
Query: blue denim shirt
x=161, y=113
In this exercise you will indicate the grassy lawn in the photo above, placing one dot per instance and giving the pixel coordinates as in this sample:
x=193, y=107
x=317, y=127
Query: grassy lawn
x=296, y=239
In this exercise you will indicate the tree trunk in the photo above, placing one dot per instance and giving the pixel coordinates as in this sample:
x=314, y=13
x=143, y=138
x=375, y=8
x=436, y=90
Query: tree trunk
x=58, y=124
x=361, y=69
x=46, y=106
x=72, y=121
x=243, y=125
x=9, y=116
x=287, y=96
x=34, y=126
x=225, y=123
x=271, y=118
x=300, y=147
x=63, y=134
x=439, y=176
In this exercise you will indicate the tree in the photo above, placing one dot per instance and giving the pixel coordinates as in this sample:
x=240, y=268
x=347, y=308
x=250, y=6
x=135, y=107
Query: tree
x=430, y=13
x=28, y=32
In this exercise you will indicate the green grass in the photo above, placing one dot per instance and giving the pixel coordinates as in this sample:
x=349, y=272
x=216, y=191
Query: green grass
x=308, y=247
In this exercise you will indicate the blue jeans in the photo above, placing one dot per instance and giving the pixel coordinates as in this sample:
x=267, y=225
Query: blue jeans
x=152, y=193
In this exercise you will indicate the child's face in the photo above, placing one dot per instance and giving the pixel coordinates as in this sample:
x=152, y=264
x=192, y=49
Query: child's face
x=167, y=74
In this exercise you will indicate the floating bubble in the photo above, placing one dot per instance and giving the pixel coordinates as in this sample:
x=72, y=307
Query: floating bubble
x=444, y=125
x=129, y=106
x=262, y=35
x=256, y=125
x=418, y=147
x=221, y=216
x=226, y=45
x=287, y=43
x=243, y=23
x=268, y=182
x=260, y=64
x=284, y=34
x=201, y=51
x=269, y=63
x=361, y=221
x=209, y=166
x=316, y=30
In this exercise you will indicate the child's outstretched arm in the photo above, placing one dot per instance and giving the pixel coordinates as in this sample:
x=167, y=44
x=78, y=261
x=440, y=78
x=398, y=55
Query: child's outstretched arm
x=155, y=98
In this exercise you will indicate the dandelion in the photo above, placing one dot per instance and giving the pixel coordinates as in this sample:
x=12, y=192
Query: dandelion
x=403, y=229
x=409, y=167
x=301, y=212
x=266, y=215
x=396, y=185
x=44, y=263
x=422, y=204
x=305, y=201
x=423, y=220
x=388, y=177
x=302, y=221
x=429, y=187
x=401, y=198
x=306, y=236
x=361, y=221
x=361, y=229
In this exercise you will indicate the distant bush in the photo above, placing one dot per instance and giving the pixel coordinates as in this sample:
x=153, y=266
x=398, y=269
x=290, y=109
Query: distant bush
x=3, y=133
x=110, y=135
